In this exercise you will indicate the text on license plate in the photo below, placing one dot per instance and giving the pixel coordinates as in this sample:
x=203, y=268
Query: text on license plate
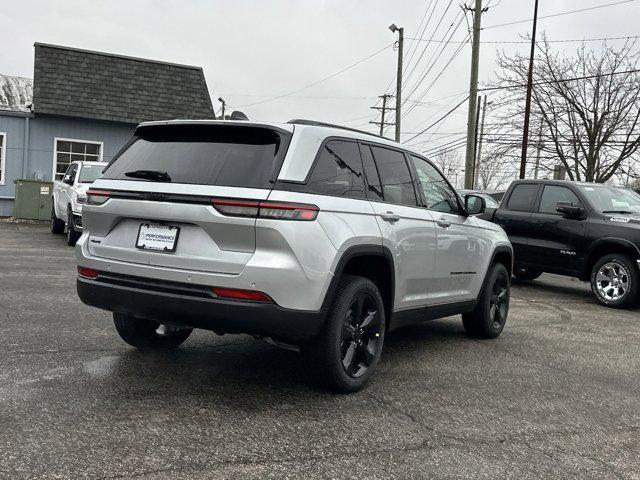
x=161, y=238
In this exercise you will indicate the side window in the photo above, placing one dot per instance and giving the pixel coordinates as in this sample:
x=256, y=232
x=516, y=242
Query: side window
x=397, y=184
x=439, y=195
x=338, y=171
x=374, y=189
x=552, y=194
x=71, y=171
x=522, y=197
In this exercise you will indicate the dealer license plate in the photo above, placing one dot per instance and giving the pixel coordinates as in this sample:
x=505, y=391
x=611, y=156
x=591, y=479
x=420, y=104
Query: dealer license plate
x=159, y=238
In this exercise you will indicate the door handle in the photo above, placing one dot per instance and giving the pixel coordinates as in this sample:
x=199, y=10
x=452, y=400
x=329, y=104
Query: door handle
x=390, y=217
x=443, y=223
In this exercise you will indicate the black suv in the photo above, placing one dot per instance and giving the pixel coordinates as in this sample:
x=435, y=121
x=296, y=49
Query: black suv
x=586, y=230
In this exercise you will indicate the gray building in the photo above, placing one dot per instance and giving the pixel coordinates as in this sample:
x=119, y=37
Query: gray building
x=84, y=105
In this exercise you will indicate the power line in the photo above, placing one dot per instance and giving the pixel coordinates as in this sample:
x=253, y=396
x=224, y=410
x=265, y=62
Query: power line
x=437, y=121
x=415, y=45
x=408, y=76
x=559, y=80
x=319, y=81
x=528, y=42
x=434, y=59
x=559, y=14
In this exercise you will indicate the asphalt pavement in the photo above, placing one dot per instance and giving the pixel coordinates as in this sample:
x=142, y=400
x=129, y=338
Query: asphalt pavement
x=556, y=396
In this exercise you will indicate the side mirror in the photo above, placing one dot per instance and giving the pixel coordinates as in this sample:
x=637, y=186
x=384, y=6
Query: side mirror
x=68, y=179
x=474, y=204
x=568, y=210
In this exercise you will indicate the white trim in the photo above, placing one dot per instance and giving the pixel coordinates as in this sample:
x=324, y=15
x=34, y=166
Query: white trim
x=63, y=139
x=3, y=156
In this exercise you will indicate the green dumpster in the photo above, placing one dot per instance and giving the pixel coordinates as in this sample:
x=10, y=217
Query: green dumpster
x=33, y=199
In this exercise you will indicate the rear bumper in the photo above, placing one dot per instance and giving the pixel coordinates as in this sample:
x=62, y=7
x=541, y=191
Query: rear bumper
x=193, y=306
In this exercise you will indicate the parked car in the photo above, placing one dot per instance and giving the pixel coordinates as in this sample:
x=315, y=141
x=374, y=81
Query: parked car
x=585, y=230
x=311, y=235
x=497, y=195
x=490, y=203
x=69, y=197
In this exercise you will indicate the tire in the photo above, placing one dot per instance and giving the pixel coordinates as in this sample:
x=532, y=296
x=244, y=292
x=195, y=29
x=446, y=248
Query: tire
x=347, y=350
x=614, y=281
x=72, y=235
x=57, y=225
x=488, y=318
x=143, y=334
x=526, y=274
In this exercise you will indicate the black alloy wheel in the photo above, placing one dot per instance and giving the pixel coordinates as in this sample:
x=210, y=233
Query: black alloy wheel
x=499, y=302
x=361, y=335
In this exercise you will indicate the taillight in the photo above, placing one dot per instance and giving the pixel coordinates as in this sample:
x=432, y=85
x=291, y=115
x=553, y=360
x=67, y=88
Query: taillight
x=237, y=294
x=89, y=273
x=236, y=208
x=265, y=209
x=97, y=197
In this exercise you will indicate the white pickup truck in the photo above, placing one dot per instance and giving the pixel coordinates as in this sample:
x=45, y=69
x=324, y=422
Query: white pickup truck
x=69, y=194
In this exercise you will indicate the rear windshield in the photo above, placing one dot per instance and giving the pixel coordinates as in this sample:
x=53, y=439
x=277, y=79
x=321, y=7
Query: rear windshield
x=223, y=155
x=90, y=173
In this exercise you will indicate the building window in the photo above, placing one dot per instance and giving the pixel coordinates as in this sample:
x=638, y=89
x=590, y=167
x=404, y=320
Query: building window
x=3, y=154
x=67, y=151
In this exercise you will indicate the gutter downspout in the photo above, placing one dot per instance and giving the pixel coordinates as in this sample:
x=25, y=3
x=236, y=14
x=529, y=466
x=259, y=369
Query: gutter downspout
x=25, y=148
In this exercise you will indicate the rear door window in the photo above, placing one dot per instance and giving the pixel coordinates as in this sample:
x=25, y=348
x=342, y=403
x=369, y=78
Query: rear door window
x=337, y=171
x=397, y=184
x=231, y=156
x=374, y=188
x=522, y=197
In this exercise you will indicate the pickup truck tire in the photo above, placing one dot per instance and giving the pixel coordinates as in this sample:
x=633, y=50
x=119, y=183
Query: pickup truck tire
x=525, y=274
x=488, y=318
x=143, y=334
x=57, y=225
x=615, y=282
x=347, y=350
x=72, y=234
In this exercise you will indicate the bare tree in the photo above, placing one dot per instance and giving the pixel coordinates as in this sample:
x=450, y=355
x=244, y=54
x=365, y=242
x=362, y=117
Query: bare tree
x=586, y=108
x=449, y=163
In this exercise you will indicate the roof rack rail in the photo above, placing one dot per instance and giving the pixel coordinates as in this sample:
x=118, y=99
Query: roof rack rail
x=313, y=123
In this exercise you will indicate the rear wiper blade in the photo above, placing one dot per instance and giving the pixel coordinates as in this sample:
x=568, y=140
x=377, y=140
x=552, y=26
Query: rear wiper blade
x=150, y=175
x=617, y=211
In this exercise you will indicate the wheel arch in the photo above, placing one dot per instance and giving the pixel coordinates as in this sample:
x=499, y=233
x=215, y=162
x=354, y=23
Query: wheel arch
x=374, y=262
x=504, y=255
x=606, y=246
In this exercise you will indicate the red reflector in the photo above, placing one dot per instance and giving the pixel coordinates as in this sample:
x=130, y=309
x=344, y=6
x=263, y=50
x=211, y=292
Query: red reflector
x=85, y=272
x=237, y=294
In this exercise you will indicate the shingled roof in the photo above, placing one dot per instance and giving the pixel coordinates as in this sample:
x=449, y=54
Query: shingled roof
x=81, y=83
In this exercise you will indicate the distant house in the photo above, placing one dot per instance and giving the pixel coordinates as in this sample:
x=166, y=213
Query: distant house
x=84, y=105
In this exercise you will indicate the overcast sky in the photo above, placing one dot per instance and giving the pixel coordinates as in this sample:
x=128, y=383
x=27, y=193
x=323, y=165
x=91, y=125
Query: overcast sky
x=252, y=51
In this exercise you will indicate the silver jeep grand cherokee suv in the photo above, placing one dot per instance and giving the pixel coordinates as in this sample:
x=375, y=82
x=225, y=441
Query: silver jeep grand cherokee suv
x=305, y=233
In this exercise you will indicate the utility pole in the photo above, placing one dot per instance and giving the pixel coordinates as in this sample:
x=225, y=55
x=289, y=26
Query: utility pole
x=400, y=31
x=539, y=148
x=473, y=94
x=527, y=106
x=221, y=100
x=383, y=111
x=476, y=170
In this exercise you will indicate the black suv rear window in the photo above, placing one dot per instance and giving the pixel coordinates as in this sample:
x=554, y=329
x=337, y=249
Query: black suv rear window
x=223, y=155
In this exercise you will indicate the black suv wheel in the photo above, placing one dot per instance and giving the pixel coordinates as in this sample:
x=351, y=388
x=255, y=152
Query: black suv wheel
x=614, y=281
x=57, y=225
x=148, y=334
x=525, y=274
x=72, y=234
x=487, y=320
x=348, y=349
